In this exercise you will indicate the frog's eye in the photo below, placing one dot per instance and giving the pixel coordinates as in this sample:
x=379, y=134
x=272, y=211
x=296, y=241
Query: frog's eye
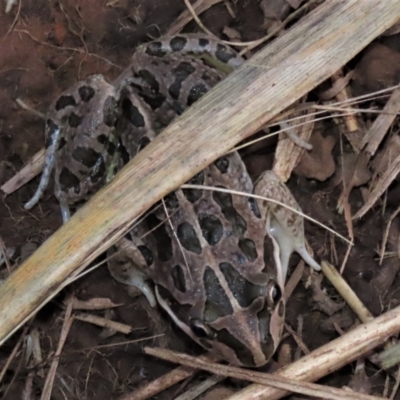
x=274, y=294
x=201, y=330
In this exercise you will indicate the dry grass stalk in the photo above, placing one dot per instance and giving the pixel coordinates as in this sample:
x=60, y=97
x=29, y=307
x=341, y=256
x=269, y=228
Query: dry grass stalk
x=346, y=292
x=30, y=170
x=273, y=380
x=380, y=187
x=48, y=385
x=276, y=77
x=288, y=153
x=158, y=385
x=105, y=323
x=370, y=142
x=195, y=391
x=352, y=129
x=163, y=382
x=382, y=124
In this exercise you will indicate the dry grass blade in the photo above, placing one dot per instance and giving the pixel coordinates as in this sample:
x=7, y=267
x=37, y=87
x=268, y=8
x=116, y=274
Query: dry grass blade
x=30, y=170
x=346, y=292
x=247, y=99
x=275, y=381
x=381, y=125
x=163, y=382
x=380, y=187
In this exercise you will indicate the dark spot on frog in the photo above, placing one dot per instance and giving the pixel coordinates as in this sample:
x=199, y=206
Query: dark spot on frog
x=181, y=72
x=163, y=240
x=217, y=302
x=154, y=100
x=281, y=309
x=86, y=156
x=178, y=277
x=150, y=79
x=74, y=120
x=239, y=258
x=111, y=147
x=102, y=139
x=132, y=114
x=143, y=142
x=178, y=43
x=147, y=254
x=188, y=238
x=203, y=42
x=67, y=179
x=51, y=130
x=211, y=227
x=224, y=54
x=177, y=107
x=171, y=201
x=195, y=93
x=194, y=194
x=224, y=200
x=65, y=101
x=110, y=111
x=245, y=292
x=254, y=207
x=249, y=248
x=222, y=164
x=291, y=221
x=86, y=93
x=275, y=207
x=155, y=49
x=62, y=143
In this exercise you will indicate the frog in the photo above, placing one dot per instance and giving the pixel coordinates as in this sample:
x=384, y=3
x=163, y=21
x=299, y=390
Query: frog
x=216, y=262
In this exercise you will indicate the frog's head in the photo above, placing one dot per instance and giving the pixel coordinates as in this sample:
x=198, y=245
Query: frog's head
x=237, y=317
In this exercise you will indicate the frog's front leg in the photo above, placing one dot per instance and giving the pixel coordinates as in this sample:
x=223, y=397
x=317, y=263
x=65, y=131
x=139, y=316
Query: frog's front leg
x=127, y=265
x=283, y=224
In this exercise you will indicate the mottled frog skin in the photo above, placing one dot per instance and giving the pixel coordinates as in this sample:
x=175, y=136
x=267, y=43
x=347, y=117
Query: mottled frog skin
x=217, y=261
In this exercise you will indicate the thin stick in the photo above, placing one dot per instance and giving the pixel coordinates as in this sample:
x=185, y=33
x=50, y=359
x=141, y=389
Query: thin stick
x=275, y=381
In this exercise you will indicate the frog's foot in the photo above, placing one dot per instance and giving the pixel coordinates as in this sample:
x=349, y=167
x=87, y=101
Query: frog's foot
x=53, y=134
x=124, y=267
x=283, y=224
x=65, y=211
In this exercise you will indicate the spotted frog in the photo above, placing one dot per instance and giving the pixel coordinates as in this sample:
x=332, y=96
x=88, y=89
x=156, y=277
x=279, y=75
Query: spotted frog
x=215, y=261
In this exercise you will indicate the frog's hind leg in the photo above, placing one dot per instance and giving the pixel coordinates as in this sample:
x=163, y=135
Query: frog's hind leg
x=53, y=135
x=284, y=224
x=195, y=44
